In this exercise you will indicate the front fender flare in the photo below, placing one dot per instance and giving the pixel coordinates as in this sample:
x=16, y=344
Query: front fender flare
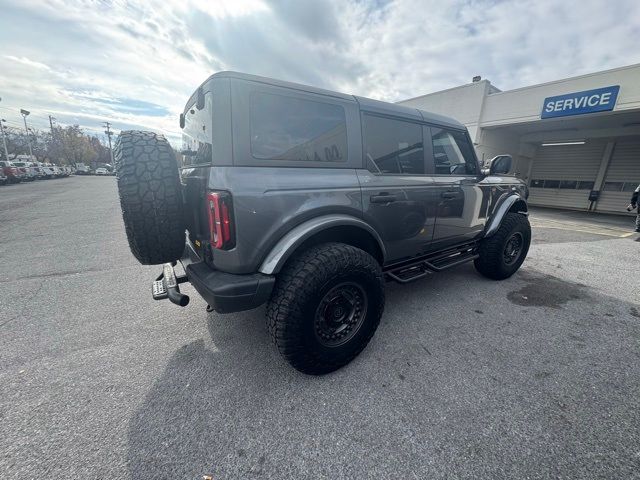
x=288, y=244
x=502, y=210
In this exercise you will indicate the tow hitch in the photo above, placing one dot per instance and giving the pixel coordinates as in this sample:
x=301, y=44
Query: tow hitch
x=166, y=286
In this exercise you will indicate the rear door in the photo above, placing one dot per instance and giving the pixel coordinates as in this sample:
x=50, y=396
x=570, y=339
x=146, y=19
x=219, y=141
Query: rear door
x=398, y=191
x=459, y=198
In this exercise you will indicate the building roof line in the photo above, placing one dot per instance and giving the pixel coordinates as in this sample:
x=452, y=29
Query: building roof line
x=446, y=90
x=568, y=79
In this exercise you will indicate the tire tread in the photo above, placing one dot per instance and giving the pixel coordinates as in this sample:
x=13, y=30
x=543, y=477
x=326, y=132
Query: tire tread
x=150, y=196
x=489, y=263
x=297, y=282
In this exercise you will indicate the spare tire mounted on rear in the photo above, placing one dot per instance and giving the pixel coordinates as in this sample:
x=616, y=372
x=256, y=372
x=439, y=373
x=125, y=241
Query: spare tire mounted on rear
x=150, y=196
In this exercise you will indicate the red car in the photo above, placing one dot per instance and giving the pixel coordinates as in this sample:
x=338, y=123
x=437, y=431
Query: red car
x=13, y=174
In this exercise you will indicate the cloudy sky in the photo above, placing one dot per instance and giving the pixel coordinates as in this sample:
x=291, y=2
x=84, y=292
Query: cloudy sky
x=136, y=63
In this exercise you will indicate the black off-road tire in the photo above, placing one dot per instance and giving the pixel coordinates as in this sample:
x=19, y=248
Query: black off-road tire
x=150, y=196
x=299, y=290
x=491, y=262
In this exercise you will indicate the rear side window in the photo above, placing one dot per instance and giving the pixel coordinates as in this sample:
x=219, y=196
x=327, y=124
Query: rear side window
x=393, y=146
x=197, y=134
x=452, y=153
x=295, y=129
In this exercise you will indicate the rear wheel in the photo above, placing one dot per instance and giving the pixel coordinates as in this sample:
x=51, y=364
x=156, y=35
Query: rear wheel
x=326, y=306
x=150, y=196
x=502, y=254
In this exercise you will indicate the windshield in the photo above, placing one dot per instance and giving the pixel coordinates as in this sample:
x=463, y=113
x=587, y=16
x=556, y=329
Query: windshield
x=197, y=134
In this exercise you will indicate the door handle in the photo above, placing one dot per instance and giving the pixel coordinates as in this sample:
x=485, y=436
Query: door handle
x=449, y=194
x=383, y=198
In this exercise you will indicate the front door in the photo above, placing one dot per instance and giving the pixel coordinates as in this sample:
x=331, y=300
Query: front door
x=460, y=199
x=398, y=191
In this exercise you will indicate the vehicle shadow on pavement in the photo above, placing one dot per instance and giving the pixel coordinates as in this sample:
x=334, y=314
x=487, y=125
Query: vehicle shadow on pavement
x=515, y=369
x=182, y=429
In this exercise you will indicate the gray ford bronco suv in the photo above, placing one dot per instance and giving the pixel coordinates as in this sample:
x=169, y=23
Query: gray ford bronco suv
x=309, y=200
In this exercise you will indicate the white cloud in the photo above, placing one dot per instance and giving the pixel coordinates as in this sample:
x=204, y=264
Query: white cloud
x=27, y=62
x=135, y=64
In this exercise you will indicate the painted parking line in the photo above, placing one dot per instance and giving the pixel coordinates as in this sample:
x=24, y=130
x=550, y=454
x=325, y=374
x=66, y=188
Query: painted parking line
x=581, y=227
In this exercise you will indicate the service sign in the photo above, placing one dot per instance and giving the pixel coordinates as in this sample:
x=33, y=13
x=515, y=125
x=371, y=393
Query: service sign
x=589, y=101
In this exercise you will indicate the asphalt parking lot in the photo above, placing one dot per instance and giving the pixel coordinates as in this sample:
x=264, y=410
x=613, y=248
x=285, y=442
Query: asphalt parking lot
x=534, y=377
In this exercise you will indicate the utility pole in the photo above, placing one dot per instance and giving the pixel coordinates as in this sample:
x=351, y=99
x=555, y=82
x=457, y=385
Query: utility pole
x=4, y=139
x=53, y=136
x=51, y=119
x=24, y=114
x=107, y=125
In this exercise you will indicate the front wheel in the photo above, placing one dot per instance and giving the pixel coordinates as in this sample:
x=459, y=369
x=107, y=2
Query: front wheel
x=502, y=254
x=325, y=307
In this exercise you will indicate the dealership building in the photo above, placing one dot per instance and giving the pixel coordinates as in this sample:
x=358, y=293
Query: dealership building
x=576, y=141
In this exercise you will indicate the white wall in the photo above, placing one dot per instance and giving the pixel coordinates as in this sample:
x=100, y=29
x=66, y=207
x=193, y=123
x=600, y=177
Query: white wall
x=463, y=103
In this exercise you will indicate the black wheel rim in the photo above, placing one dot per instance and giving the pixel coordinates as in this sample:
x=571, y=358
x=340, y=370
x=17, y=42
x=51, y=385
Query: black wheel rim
x=513, y=248
x=340, y=314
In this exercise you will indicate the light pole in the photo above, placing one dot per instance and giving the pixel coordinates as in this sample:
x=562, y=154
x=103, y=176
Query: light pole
x=4, y=139
x=24, y=114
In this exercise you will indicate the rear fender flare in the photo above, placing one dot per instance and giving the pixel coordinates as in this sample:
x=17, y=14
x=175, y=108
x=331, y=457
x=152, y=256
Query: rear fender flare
x=288, y=244
x=501, y=211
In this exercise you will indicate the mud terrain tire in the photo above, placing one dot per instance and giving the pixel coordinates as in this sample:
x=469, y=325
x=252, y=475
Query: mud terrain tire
x=316, y=290
x=150, y=196
x=497, y=259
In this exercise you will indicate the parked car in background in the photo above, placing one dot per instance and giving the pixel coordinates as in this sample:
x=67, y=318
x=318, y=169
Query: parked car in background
x=47, y=173
x=25, y=167
x=50, y=170
x=57, y=171
x=40, y=175
x=13, y=174
x=102, y=171
x=82, y=169
x=3, y=178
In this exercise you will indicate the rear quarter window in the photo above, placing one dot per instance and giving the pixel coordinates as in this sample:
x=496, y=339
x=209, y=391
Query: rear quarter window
x=296, y=129
x=197, y=134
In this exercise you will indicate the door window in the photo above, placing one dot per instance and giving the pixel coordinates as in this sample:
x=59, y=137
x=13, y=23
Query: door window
x=393, y=146
x=452, y=153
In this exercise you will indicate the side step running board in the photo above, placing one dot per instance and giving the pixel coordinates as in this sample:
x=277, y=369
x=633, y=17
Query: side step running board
x=415, y=270
x=166, y=286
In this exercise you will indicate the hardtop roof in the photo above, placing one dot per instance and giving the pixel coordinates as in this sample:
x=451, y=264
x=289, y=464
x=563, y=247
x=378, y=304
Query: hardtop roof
x=366, y=104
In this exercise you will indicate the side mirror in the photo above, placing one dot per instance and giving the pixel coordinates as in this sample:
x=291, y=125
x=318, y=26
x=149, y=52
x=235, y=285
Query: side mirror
x=499, y=165
x=182, y=120
x=200, y=99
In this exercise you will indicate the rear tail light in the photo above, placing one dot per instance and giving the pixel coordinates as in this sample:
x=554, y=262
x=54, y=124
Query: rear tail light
x=221, y=228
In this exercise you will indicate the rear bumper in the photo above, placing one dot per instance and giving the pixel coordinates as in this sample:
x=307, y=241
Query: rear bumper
x=226, y=292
